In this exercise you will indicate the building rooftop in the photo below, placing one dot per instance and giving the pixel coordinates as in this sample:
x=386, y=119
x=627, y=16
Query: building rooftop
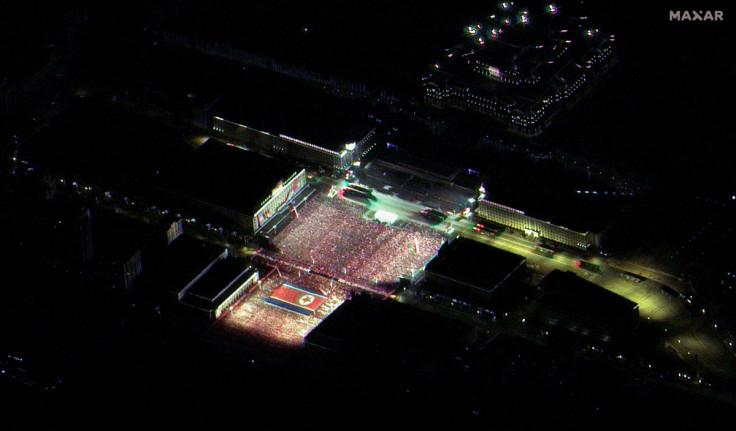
x=473, y=263
x=116, y=236
x=564, y=194
x=217, y=278
x=286, y=106
x=563, y=290
x=535, y=48
x=223, y=278
x=227, y=176
x=174, y=266
x=576, y=211
x=430, y=168
x=384, y=326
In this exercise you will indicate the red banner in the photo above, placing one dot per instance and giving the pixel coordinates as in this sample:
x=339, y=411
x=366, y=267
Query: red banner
x=303, y=299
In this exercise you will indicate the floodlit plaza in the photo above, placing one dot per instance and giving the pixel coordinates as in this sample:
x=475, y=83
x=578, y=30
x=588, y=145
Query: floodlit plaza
x=256, y=318
x=332, y=238
x=332, y=249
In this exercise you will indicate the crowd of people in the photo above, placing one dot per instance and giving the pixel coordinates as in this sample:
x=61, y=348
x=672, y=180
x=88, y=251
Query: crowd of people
x=272, y=324
x=330, y=248
x=331, y=237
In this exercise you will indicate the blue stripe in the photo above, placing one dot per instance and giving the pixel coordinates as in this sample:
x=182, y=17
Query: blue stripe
x=305, y=290
x=287, y=306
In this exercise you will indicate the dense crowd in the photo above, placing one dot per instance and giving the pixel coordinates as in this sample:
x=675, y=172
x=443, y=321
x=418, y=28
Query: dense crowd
x=331, y=237
x=257, y=318
x=330, y=248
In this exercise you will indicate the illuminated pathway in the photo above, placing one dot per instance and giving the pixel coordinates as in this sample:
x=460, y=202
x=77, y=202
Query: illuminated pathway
x=690, y=335
x=652, y=303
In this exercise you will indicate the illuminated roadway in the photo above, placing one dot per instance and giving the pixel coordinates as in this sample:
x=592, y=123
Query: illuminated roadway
x=690, y=336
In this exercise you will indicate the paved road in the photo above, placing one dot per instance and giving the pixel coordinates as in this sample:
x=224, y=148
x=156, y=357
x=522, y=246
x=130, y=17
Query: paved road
x=654, y=305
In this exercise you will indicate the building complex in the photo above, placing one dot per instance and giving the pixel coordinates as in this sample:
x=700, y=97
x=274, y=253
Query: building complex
x=521, y=65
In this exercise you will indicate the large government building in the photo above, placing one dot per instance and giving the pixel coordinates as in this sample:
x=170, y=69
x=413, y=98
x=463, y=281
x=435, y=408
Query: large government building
x=470, y=277
x=224, y=183
x=516, y=219
x=521, y=65
x=289, y=118
x=338, y=157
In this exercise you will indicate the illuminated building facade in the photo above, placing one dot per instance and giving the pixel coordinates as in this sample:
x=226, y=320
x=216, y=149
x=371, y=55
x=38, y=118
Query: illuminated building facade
x=219, y=286
x=175, y=229
x=286, y=146
x=516, y=219
x=131, y=269
x=330, y=132
x=282, y=194
x=521, y=66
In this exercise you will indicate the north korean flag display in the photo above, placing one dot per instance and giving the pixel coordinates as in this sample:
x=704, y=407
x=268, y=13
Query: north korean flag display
x=295, y=298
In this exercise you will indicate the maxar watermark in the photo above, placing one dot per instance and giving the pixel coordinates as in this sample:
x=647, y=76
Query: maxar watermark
x=696, y=15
